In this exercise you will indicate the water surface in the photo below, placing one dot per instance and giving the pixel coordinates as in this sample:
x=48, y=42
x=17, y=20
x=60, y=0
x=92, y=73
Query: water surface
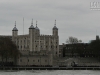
x=51, y=72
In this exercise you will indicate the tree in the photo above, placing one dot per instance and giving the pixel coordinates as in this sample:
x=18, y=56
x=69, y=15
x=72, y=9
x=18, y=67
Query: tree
x=8, y=49
x=73, y=40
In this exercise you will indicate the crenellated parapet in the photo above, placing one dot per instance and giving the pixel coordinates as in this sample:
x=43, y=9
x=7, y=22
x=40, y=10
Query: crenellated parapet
x=42, y=35
x=23, y=36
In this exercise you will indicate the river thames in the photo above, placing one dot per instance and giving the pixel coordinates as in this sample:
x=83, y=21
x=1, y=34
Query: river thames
x=51, y=72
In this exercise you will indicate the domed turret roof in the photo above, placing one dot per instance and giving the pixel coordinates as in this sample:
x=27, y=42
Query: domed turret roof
x=15, y=29
x=55, y=28
x=31, y=27
x=36, y=26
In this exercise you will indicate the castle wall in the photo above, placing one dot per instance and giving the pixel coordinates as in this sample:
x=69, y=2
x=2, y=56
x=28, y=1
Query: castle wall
x=35, y=60
x=43, y=42
x=35, y=46
x=22, y=42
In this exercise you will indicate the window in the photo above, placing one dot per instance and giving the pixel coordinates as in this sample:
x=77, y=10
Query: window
x=45, y=60
x=46, y=46
x=33, y=60
x=56, y=46
x=56, y=42
x=38, y=60
x=28, y=46
x=28, y=60
x=56, y=52
x=13, y=33
x=20, y=60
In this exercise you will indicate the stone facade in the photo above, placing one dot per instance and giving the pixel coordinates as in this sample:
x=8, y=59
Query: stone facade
x=38, y=60
x=35, y=42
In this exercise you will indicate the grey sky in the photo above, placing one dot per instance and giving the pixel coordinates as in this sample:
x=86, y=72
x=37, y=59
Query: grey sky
x=74, y=17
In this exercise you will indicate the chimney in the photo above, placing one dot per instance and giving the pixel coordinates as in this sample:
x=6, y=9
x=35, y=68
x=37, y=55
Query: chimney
x=97, y=37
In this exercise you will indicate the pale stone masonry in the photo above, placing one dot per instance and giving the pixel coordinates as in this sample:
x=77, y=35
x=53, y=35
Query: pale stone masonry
x=35, y=42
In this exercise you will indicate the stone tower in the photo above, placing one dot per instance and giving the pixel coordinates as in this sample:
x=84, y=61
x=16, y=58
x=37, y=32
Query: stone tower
x=56, y=40
x=14, y=32
x=32, y=36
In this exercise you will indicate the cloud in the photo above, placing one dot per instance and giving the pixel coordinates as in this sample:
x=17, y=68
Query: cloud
x=74, y=18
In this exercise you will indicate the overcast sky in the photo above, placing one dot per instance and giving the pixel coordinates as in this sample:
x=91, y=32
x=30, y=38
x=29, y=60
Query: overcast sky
x=73, y=17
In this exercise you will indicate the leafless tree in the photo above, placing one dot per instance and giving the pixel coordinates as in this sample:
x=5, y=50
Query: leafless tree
x=73, y=40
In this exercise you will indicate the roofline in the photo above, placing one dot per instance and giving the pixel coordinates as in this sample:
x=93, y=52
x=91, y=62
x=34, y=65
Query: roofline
x=14, y=30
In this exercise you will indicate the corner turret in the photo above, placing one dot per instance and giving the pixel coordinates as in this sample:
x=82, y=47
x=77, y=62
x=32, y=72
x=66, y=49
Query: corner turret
x=55, y=30
x=37, y=29
x=31, y=28
x=15, y=31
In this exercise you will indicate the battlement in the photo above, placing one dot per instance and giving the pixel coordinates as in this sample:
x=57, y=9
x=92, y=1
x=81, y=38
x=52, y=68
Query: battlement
x=46, y=35
x=5, y=35
x=8, y=36
x=23, y=35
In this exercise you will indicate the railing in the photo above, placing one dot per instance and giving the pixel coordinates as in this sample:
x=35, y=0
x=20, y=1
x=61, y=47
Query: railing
x=49, y=68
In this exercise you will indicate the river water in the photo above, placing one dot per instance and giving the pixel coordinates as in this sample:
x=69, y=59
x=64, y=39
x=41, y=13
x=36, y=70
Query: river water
x=51, y=72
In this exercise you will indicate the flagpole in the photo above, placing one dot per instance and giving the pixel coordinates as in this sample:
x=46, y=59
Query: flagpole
x=23, y=25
